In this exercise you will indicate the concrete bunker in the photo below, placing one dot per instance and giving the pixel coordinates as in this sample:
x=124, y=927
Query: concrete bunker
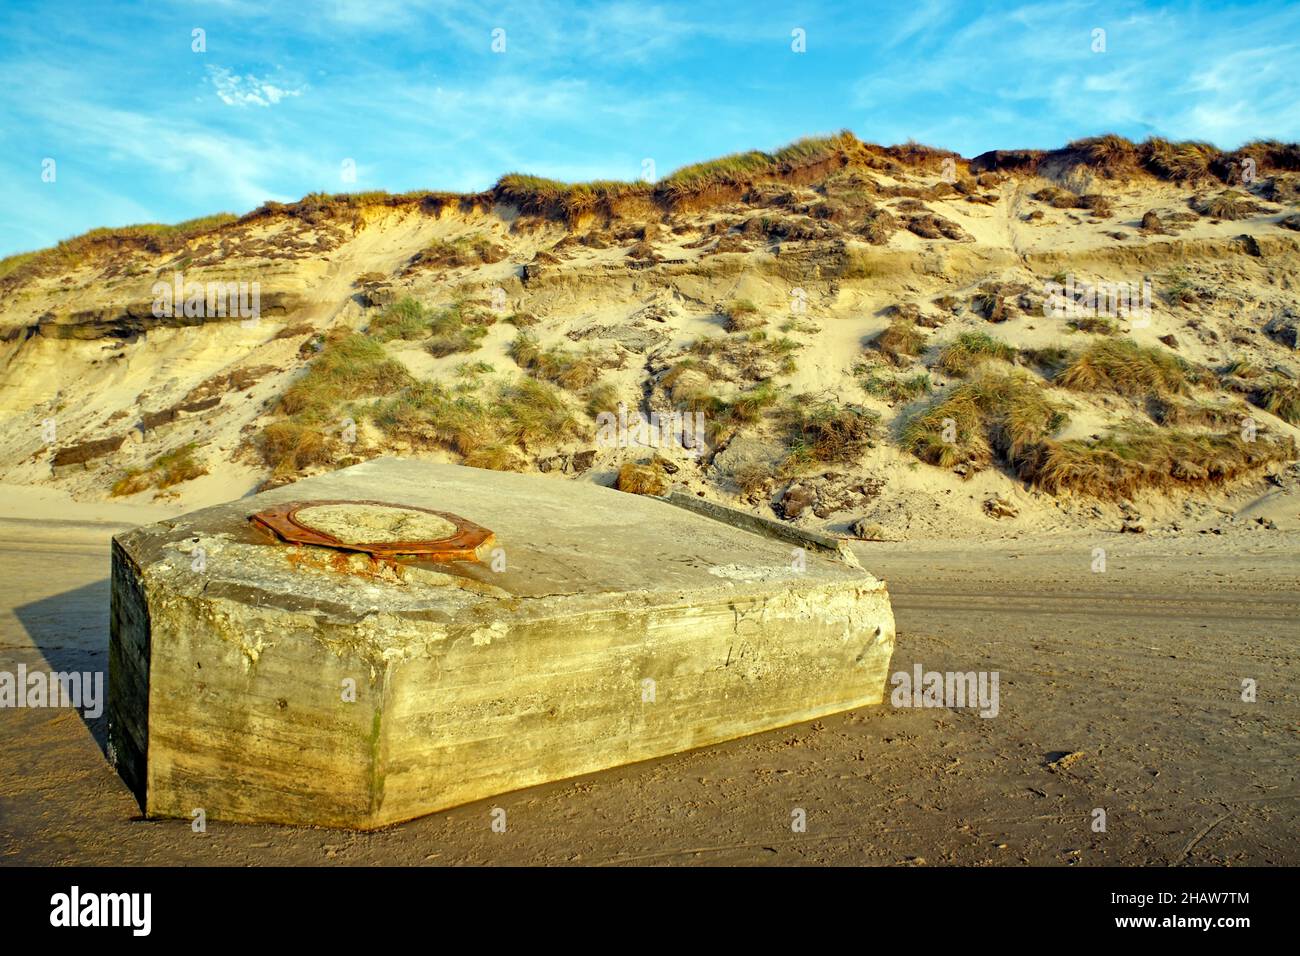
x=400, y=637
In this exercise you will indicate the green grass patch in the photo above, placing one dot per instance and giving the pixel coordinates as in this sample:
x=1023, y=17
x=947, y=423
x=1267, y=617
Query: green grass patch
x=491, y=431
x=349, y=366
x=897, y=388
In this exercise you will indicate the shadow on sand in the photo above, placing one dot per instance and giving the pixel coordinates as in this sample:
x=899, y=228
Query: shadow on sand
x=71, y=632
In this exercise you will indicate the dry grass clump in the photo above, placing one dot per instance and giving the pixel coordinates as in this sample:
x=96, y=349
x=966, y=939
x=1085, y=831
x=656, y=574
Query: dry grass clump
x=1058, y=198
x=1124, y=367
x=1097, y=204
x=1179, y=287
x=695, y=393
x=753, y=478
x=901, y=342
x=1093, y=324
x=754, y=356
x=930, y=226
x=996, y=414
x=689, y=387
x=877, y=226
x=454, y=328
x=565, y=367
x=742, y=316
x=1119, y=465
x=601, y=397
x=1172, y=413
x=1049, y=359
x=1109, y=154
x=289, y=446
x=970, y=349
x=743, y=169
x=166, y=470
x=647, y=479
x=1179, y=162
x=749, y=405
x=1229, y=204
x=1240, y=369
x=1269, y=154
x=1280, y=397
x=537, y=196
x=735, y=168
x=1116, y=157
x=822, y=432
x=472, y=250
x=998, y=301
x=496, y=456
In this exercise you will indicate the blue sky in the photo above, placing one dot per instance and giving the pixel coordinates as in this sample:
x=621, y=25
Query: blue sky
x=144, y=129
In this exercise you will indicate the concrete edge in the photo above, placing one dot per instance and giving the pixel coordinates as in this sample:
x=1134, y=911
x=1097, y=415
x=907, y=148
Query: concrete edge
x=768, y=528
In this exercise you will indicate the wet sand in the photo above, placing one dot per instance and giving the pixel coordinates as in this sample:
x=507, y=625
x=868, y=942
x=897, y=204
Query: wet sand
x=1135, y=672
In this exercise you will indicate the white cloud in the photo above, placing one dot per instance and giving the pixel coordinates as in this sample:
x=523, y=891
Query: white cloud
x=247, y=90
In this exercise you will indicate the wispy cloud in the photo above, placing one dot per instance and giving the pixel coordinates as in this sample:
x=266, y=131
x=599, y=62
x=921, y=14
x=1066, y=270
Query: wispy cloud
x=248, y=90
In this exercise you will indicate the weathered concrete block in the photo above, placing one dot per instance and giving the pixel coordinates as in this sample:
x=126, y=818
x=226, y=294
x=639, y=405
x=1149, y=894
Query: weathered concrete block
x=263, y=681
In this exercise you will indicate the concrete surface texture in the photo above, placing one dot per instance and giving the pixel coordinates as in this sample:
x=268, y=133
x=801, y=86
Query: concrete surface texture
x=263, y=682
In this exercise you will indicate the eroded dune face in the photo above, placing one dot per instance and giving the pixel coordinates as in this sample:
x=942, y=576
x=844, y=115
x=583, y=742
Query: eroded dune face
x=896, y=340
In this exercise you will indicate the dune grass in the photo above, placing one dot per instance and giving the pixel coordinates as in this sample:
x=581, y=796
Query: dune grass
x=150, y=236
x=1280, y=397
x=647, y=479
x=1120, y=464
x=1009, y=418
x=488, y=432
x=349, y=366
x=453, y=328
x=749, y=352
x=568, y=368
x=1109, y=154
x=1230, y=204
x=1124, y=367
x=998, y=414
x=1176, y=413
x=1180, y=162
x=970, y=349
x=897, y=388
x=288, y=446
x=407, y=318
x=462, y=251
x=170, y=468
x=742, y=316
x=823, y=432
x=901, y=342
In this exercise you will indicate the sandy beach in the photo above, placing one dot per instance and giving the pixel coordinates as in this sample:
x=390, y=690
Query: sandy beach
x=1119, y=691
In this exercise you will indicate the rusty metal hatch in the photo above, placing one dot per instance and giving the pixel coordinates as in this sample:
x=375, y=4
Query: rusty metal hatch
x=466, y=541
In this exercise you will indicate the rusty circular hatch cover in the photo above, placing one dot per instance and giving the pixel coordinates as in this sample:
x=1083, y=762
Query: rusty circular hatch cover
x=380, y=528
